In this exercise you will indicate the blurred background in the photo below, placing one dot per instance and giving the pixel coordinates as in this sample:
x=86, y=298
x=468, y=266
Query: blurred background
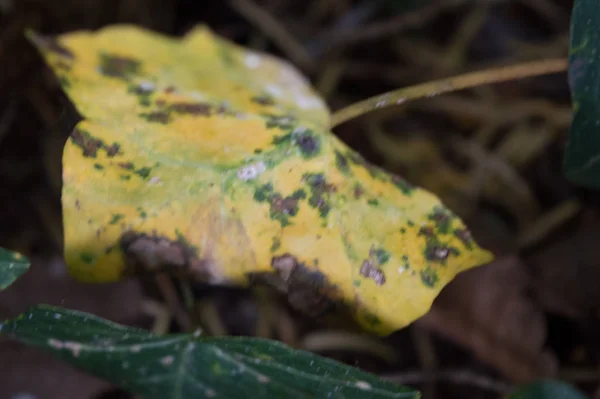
x=493, y=154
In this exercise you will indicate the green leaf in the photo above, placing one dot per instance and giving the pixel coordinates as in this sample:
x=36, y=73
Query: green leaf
x=582, y=158
x=190, y=366
x=547, y=389
x=12, y=266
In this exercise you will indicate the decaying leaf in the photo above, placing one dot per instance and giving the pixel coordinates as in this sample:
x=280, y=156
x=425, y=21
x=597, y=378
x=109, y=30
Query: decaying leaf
x=488, y=311
x=199, y=157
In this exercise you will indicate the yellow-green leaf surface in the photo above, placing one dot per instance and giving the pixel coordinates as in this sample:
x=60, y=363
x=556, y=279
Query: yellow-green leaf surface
x=201, y=157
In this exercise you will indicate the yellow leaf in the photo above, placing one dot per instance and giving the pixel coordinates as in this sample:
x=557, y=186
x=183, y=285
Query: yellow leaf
x=203, y=158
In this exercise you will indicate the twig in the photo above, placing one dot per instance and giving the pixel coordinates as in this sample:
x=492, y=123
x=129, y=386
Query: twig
x=272, y=28
x=169, y=294
x=329, y=340
x=423, y=342
x=394, y=25
x=446, y=85
x=466, y=377
x=548, y=223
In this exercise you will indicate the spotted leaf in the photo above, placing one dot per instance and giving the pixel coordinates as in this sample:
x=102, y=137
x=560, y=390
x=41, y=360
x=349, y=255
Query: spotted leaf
x=192, y=366
x=205, y=159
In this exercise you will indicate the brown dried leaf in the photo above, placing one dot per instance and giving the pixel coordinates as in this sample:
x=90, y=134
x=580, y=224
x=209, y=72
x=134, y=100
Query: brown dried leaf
x=566, y=273
x=487, y=311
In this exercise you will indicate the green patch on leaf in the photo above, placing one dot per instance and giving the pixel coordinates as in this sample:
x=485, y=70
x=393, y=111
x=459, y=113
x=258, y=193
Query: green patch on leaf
x=118, y=67
x=192, y=366
x=319, y=189
x=429, y=277
x=280, y=208
x=87, y=258
x=116, y=218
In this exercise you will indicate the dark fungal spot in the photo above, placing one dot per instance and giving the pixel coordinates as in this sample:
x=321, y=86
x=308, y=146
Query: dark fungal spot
x=280, y=208
x=116, y=218
x=426, y=231
x=197, y=109
x=154, y=253
x=143, y=172
x=141, y=212
x=258, y=151
x=436, y=252
x=62, y=65
x=307, y=142
x=429, y=277
x=87, y=258
x=126, y=165
x=307, y=290
x=118, y=67
x=53, y=45
x=368, y=270
x=320, y=192
x=162, y=117
x=410, y=223
x=341, y=162
x=442, y=220
x=276, y=244
x=91, y=145
x=143, y=91
x=86, y=142
x=112, y=150
x=358, y=191
x=380, y=255
x=283, y=122
x=97, y=166
x=373, y=202
x=402, y=184
x=63, y=81
x=371, y=319
x=263, y=100
x=465, y=236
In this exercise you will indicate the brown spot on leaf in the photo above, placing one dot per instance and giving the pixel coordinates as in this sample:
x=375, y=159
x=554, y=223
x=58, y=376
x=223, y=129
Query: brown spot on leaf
x=191, y=108
x=427, y=231
x=54, y=46
x=358, y=191
x=91, y=145
x=287, y=206
x=144, y=253
x=157, y=117
x=263, y=100
x=307, y=290
x=437, y=252
x=126, y=165
x=369, y=270
x=118, y=66
x=465, y=236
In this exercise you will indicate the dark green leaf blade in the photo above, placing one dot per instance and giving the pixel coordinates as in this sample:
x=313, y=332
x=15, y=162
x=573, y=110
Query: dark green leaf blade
x=190, y=366
x=582, y=157
x=547, y=389
x=12, y=266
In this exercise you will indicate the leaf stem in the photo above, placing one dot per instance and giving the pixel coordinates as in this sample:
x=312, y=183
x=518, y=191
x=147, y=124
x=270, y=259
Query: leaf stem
x=436, y=87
